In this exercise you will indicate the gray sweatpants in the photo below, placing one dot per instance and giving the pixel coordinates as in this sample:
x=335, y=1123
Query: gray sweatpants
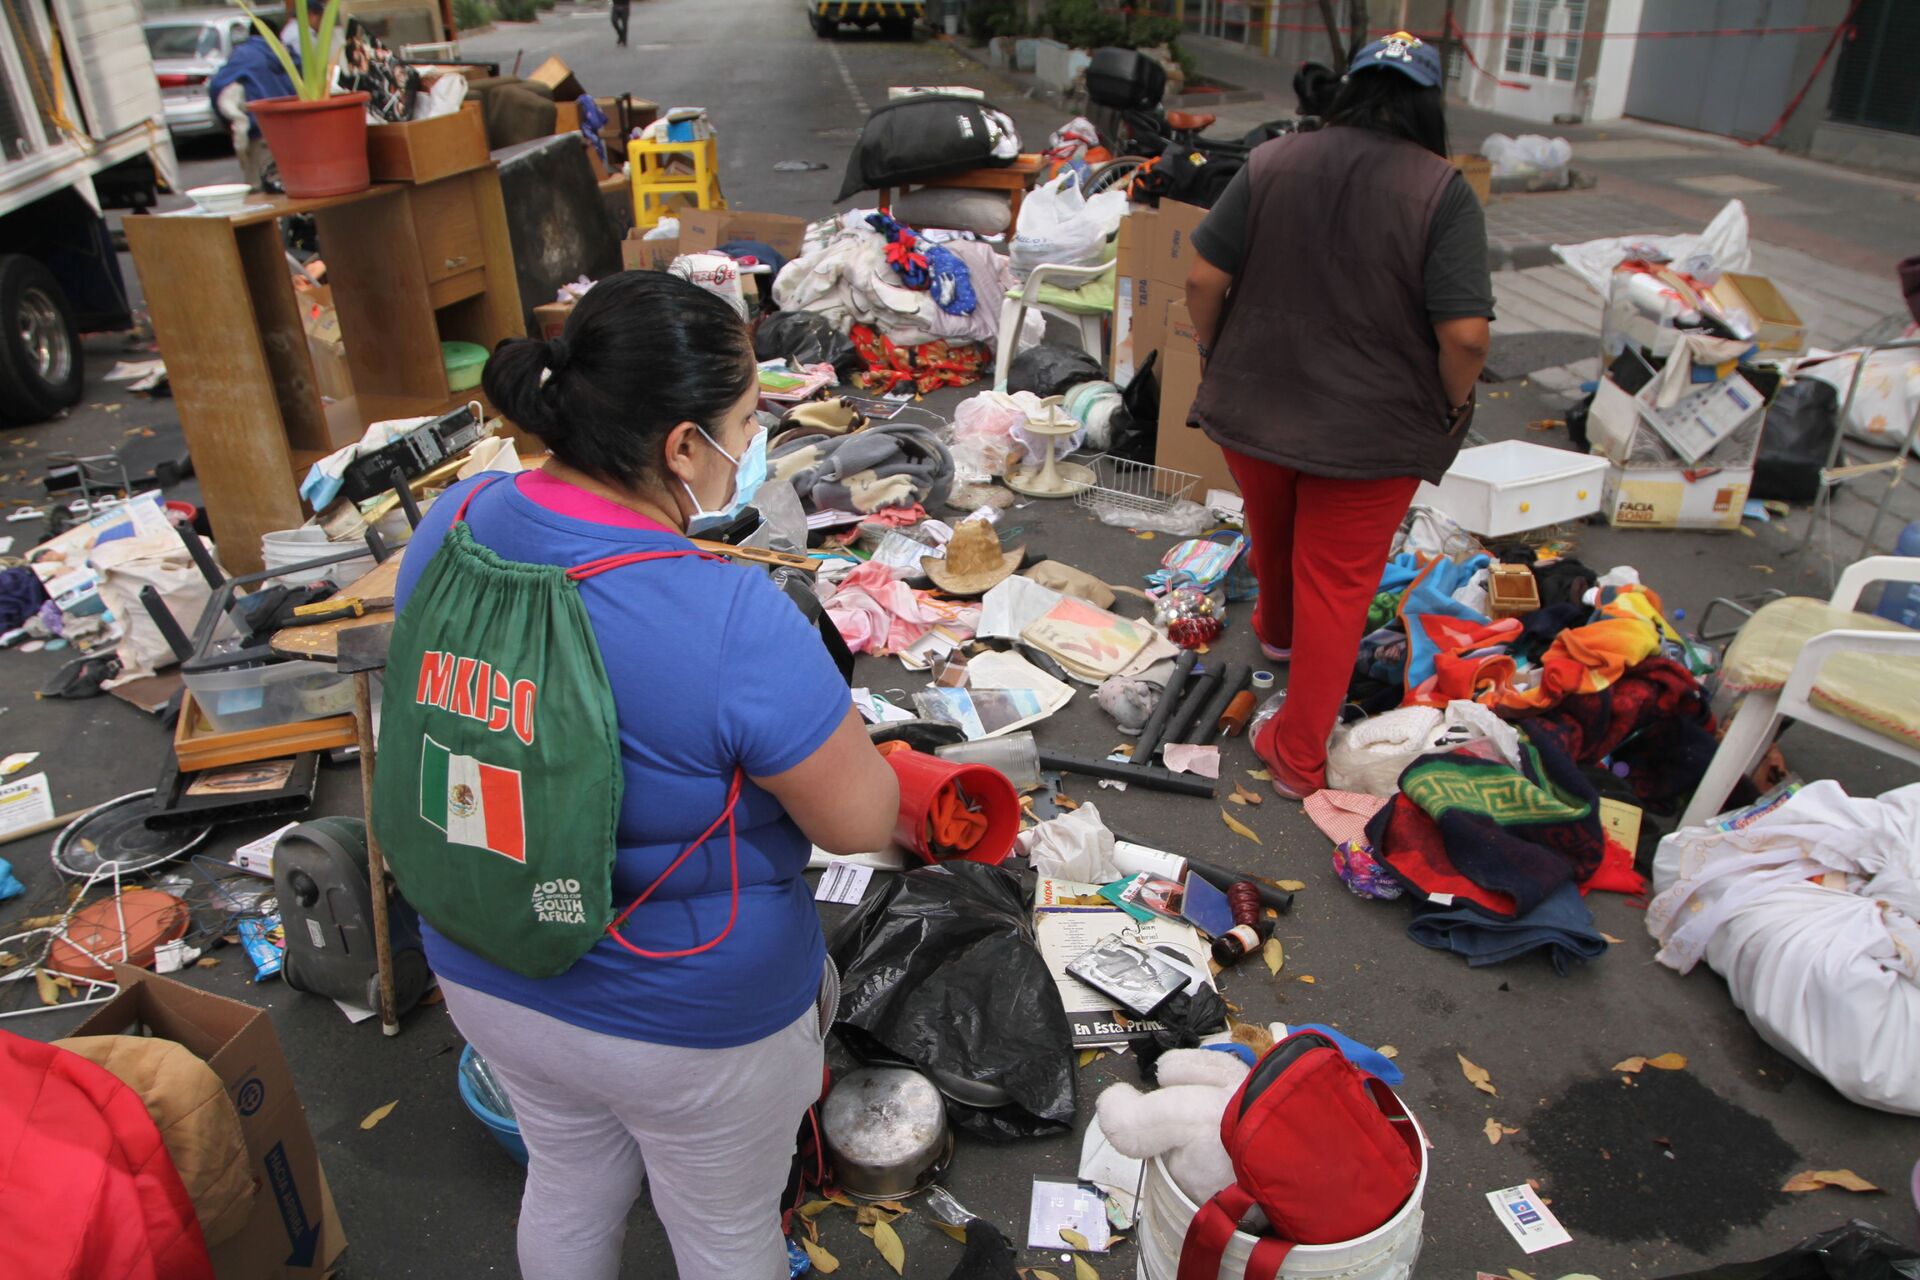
x=712, y=1129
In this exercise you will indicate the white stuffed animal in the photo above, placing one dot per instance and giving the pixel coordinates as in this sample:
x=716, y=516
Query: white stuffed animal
x=1179, y=1121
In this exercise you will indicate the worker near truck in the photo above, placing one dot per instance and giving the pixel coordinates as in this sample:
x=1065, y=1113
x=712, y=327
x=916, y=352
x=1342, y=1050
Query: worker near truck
x=252, y=72
x=1341, y=300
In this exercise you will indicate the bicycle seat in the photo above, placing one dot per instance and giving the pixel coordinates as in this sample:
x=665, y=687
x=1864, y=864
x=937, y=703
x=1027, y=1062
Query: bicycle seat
x=1190, y=121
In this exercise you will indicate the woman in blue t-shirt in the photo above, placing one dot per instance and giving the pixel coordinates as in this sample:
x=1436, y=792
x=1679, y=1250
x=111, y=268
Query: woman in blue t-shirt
x=694, y=1070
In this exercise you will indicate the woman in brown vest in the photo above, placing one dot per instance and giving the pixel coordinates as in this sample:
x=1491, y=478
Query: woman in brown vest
x=1341, y=299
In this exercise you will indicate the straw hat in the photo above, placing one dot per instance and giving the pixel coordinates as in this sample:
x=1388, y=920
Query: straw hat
x=974, y=563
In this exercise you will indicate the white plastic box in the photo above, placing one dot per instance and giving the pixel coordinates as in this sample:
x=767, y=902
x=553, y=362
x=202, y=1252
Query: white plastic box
x=238, y=698
x=1513, y=486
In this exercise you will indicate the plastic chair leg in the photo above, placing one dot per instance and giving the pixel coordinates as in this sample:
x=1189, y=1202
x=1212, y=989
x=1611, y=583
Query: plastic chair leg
x=1745, y=741
x=1013, y=314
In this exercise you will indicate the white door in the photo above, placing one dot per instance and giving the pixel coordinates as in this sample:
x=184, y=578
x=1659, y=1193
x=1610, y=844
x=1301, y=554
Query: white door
x=1541, y=52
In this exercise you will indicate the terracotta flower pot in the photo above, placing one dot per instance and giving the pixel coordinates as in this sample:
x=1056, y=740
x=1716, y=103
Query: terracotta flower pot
x=320, y=147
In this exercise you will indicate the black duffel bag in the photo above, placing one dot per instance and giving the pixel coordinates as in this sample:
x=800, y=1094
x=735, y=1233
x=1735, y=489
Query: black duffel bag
x=928, y=136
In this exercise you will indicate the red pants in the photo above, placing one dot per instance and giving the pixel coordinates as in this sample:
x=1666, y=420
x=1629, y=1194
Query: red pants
x=1318, y=548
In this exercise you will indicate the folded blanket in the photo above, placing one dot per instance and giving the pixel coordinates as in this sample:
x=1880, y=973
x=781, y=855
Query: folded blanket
x=1587, y=659
x=1655, y=720
x=1561, y=926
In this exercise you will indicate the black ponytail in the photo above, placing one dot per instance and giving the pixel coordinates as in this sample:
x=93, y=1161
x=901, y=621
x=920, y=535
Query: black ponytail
x=642, y=352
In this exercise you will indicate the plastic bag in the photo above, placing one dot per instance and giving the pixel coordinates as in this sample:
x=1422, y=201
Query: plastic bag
x=1720, y=248
x=1889, y=393
x=1795, y=441
x=940, y=969
x=1051, y=369
x=1058, y=225
x=1853, y=1251
x=1541, y=159
x=810, y=338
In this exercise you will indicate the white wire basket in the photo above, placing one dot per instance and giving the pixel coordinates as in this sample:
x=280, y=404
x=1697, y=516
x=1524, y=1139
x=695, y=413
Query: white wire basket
x=1127, y=485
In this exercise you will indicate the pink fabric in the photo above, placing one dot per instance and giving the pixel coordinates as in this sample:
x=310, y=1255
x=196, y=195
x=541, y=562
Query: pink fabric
x=565, y=499
x=875, y=612
x=1343, y=815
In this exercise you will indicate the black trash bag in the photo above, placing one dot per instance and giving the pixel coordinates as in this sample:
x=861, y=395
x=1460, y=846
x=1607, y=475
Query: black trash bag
x=1794, y=442
x=929, y=135
x=1184, y=1021
x=810, y=338
x=1050, y=369
x=988, y=1257
x=1854, y=1251
x=1136, y=429
x=940, y=970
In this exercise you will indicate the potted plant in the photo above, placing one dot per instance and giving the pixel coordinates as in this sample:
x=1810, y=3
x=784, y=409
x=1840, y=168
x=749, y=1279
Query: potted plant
x=318, y=137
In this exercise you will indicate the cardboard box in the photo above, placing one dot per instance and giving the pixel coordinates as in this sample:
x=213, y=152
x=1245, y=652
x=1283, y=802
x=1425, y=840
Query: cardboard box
x=294, y=1230
x=1709, y=498
x=1178, y=446
x=1133, y=249
x=1776, y=325
x=1172, y=254
x=557, y=76
x=423, y=150
x=325, y=346
x=702, y=230
x=1478, y=171
x=551, y=317
x=1618, y=426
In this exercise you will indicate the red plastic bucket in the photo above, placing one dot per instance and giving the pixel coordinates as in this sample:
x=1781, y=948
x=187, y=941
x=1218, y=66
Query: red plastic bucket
x=923, y=777
x=320, y=147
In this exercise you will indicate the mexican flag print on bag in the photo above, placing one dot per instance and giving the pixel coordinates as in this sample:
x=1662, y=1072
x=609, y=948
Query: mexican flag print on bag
x=497, y=788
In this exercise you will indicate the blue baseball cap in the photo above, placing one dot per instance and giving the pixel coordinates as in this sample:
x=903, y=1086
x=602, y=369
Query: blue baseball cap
x=1407, y=54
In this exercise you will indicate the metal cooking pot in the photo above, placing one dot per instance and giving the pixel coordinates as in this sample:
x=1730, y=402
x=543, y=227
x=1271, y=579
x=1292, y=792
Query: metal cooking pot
x=886, y=1132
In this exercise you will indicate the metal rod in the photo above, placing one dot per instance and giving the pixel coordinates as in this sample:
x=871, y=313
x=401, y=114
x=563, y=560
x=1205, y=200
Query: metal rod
x=376, y=861
x=202, y=558
x=1190, y=708
x=1238, y=678
x=168, y=624
x=1169, y=698
x=1151, y=777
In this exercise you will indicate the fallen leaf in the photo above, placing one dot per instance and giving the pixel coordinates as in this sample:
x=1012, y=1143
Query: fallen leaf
x=1634, y=1064
x=1260, y=775
x=1243, y=794
x=49, y=989
x=839, y=1198
x=1514, y=1273
x=1496, y=1131
x=8, y=960
x=814, y=1208
x=1236, y=797
x=1083, y=1270
x=1063, y=801
x=1814, y=1179
x=1388, y=1051
x=1611, y=939
x=823, y=1262
x=41, y=922
x=1238, y=828
x=1073, y=1238
x=1290, y=886
x=1308, y=978
x=206, y=962
x=812, y=1226
x=1275, y=955
x=958, y=1233
x=1252, y=1035
x=1669, y=1062
x=1088, y=1056
x=1476, y=1075
x=378, y=1114
x=892, y=1206
x=888, y=1243
x=1213, y=966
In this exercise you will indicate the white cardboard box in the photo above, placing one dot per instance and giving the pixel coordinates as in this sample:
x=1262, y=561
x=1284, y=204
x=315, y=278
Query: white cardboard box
x=1512, y=486
x=1673, y=498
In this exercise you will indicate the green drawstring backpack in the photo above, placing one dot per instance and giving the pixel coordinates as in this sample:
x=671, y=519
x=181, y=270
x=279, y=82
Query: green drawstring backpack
x=497, y=787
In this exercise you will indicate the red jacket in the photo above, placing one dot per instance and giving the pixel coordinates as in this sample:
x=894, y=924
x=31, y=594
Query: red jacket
x=89, y=1189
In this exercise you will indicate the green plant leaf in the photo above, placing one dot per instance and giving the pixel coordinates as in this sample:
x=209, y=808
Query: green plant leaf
x=320, y=65
x=280, y=50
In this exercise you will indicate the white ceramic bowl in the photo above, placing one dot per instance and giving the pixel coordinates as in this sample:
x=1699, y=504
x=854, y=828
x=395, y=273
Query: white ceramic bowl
x=222, y=197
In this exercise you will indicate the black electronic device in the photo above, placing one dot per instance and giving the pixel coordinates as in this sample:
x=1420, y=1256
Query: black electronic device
x=326, y=906
x=415, y=453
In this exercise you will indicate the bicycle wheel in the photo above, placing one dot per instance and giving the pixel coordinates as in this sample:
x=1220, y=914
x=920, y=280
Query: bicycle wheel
x=1116, y=173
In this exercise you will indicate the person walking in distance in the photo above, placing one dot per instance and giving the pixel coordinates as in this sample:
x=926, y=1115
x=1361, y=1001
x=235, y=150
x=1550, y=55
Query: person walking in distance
x=621, y=10
x=1341, y=300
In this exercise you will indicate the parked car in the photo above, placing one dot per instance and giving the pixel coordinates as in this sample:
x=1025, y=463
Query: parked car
x=188, y=46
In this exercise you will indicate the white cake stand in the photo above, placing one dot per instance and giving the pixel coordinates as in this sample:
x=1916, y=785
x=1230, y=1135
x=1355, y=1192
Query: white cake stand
x=1051, y=478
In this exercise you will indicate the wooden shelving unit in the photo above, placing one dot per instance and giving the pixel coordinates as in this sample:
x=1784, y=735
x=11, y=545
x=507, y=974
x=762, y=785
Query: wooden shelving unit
x=410, y=265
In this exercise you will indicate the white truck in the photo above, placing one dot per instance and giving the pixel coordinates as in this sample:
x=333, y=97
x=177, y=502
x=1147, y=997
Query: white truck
x=82, y=130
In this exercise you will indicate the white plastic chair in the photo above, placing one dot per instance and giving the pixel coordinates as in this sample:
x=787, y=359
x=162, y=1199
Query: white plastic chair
x=1013, y=313
x=1777, y=662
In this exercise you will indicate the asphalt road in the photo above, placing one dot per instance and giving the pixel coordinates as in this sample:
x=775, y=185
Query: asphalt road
x=428, y=1194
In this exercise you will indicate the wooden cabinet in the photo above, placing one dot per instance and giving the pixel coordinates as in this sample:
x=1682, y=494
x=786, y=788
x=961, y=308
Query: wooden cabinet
x=410, y=266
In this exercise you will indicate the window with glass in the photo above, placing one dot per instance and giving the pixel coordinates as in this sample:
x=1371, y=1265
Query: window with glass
x=1543, y=38
x=198, y=40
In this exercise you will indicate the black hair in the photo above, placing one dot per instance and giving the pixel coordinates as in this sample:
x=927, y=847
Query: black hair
x=1314, y=87
x=1387, y=101
x=642, y=352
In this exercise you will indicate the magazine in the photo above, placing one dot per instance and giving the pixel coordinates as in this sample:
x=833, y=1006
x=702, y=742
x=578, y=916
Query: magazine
x=1071, y=919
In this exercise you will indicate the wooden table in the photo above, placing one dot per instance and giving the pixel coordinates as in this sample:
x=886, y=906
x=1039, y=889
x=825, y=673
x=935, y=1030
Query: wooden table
x=321, y=643
x=1016, y=179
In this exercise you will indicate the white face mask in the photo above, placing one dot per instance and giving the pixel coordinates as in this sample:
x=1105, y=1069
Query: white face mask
x=749, y=471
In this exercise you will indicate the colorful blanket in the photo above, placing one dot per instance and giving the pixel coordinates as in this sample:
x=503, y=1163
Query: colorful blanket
x=1470, y=829
x=923, y=368
x=1655, y=720
x=1587, y=659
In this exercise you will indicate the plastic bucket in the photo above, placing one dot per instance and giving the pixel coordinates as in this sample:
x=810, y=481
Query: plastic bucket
x=921, y=779
x=1387, y=1253
x=284, y=547
x=320, y=147
x=505, y=1129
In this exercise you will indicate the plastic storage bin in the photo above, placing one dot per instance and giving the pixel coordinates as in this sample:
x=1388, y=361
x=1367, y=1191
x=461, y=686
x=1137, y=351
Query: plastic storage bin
x=464, y=361
x=256, y=697
x=1510, y=487
x=1125, y=80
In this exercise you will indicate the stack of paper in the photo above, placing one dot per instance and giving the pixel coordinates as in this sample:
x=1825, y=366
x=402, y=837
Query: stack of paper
x=1071, y=919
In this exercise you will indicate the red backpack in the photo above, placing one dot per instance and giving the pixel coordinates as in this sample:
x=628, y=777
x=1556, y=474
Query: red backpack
x=1323, y=1148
